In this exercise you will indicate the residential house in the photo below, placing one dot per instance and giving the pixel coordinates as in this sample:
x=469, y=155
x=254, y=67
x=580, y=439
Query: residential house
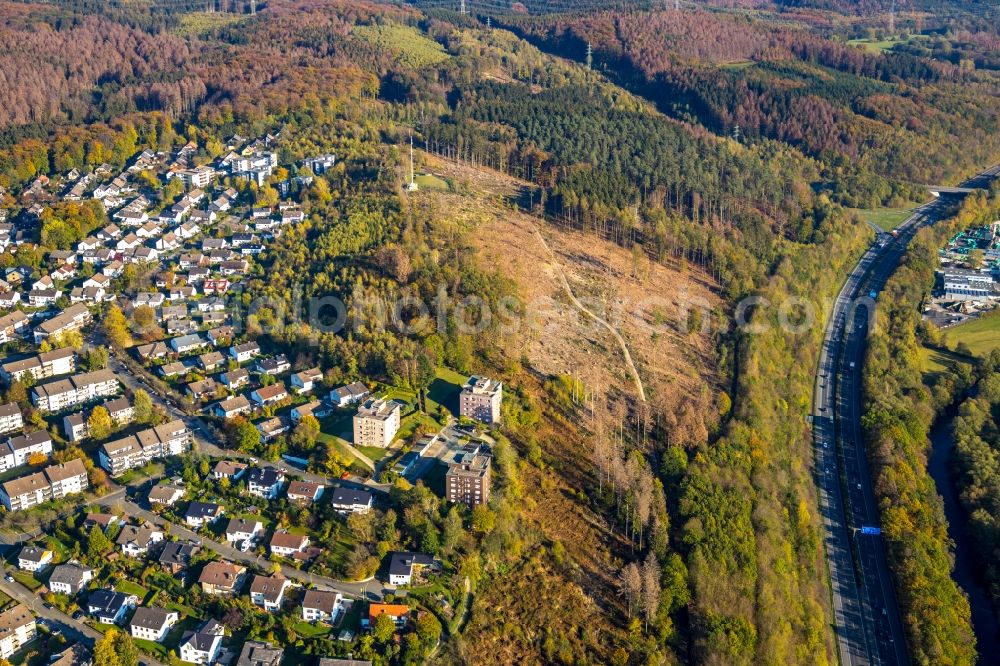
x=305, y=381
x=243, y=529
x=221, y=335
x=256, y=653
x=152, y=624
x=222, y=578
x=227, y=469
x=174, y=369
x=109, y=606
x=175, y=556
x=186, y=344
x=273, y=427
x=402, y=566
x=322, y=606
x=265, y=482
x=211, y=361
x=203, y=513
x=165, y=495
x=235, y=379
x=304, y=492
x=153, y=351
x=284, y=544
x=349, y=395
x=268, y=592
x=376, y=422
x=204, y=388
x=34, y=559
x=135, y=541
x=398, y=612
x=312, y=408
x=70, y=579
x=38, y=298
x=17, y=629
x=350, y=500
x=274, y=365
x=203, y=645
x=244, y=352
x=269, y=395
x=231, y=407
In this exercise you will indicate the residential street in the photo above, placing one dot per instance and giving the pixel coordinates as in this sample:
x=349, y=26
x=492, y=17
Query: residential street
x=202, y=436
x=72, y=629
x=368, y=589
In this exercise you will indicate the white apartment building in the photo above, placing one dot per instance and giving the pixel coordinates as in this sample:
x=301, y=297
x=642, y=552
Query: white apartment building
x=60, y=394
x=376, y=422
x=169, y=439
x=10, y=418
x=54, y=482
x=17, y=628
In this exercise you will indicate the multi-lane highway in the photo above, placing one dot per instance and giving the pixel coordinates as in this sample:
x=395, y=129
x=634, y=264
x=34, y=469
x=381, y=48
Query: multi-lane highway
x=868, y=624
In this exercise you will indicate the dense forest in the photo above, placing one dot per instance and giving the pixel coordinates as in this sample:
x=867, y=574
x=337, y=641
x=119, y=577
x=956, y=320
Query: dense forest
x=913, y=114
x=977, y=445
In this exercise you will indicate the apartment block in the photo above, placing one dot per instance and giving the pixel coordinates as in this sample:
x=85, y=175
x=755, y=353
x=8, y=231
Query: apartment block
x=480, y=399
x=72, y=318
x=121, y=455
x=10, y=418
x=468, y=477
x=59, y=394
x=376, y=422
x=40, y=366
x=54, y=482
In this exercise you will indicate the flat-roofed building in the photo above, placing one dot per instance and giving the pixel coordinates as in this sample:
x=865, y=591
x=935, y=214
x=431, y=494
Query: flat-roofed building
x=468, y=477
x=376, y=422
x=480, y=399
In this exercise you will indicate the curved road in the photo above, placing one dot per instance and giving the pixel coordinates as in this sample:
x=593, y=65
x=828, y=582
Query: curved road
x=869, y=628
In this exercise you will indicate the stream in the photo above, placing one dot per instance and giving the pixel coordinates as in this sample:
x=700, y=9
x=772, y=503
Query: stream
x=984, y=619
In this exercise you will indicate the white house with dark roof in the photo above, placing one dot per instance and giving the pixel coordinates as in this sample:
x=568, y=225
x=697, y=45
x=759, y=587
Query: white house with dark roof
x=204, y=645
x=152, y=624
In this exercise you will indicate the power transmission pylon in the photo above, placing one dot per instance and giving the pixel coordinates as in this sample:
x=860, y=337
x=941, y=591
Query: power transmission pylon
x=462, y=9
x=590, y=56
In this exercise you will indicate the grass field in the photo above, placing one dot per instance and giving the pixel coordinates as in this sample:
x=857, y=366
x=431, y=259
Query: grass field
x=407, y=45
x=934, y=361
x=428, y=181
x=982, y=335
x=886, y=219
